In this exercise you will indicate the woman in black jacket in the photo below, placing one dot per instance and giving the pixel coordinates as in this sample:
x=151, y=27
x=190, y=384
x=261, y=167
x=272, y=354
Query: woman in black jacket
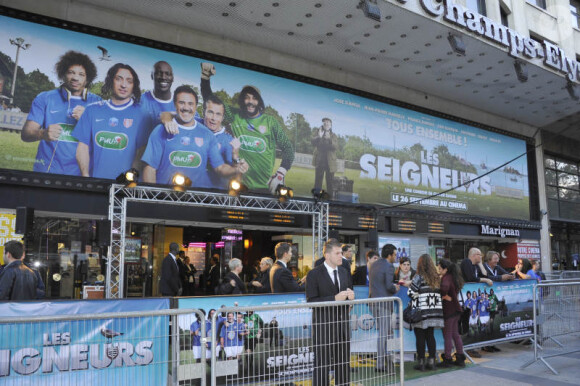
x=232, y=284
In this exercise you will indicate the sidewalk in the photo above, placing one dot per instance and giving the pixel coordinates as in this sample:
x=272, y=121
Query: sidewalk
x=504, y=368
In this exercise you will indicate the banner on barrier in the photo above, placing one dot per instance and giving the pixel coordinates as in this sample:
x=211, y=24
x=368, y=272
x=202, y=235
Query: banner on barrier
x=113, y=350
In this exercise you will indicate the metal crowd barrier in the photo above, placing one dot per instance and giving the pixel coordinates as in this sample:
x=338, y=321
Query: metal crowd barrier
x=308, y=343
x=122, y=348
x=556, y=321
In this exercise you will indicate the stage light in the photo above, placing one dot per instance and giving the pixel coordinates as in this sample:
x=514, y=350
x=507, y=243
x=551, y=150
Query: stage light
x=236, y=187
x=457, y=44
x=128, y=178
x=371, y=9
x=284, y=193
x=320, y=195
x=521, y=70
x=180, y=182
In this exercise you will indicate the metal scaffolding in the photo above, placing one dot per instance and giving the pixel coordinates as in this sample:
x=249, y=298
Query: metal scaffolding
x=119, y=196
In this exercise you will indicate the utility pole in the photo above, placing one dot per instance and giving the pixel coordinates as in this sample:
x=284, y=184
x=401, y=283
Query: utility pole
x=19, y=43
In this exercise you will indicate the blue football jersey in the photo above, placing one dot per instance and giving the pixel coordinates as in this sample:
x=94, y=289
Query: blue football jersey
x=189, y=152
x=154, y=107
x=113, y=135
x=56, y=107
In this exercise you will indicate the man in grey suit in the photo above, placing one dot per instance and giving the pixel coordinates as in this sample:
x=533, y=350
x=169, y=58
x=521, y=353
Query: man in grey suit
x=381, y=275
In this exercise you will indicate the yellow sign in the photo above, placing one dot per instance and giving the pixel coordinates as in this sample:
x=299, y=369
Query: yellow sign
x=7, y=226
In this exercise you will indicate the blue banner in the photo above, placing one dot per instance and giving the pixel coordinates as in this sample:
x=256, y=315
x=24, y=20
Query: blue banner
x=92, y=351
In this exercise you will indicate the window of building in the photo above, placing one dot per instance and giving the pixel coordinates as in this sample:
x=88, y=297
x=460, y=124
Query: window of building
x=538, y=3
x=477, y=6
x=562, y=187
x=504, y=16
x=575, y=10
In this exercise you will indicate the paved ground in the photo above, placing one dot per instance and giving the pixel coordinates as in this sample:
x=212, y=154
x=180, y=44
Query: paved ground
x=504, y=368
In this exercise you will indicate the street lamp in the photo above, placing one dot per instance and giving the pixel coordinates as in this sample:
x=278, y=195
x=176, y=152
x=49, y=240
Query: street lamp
x=19, y=43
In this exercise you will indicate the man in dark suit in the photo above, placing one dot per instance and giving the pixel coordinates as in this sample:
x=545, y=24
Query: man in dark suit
x=346, y=254
x=381, y=275
x=281, y=279
x=330, y=325
x=170, y=284
x=361, y=274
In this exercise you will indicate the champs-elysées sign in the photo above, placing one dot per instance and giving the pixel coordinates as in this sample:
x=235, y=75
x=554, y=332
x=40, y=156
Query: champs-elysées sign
x=518, y=46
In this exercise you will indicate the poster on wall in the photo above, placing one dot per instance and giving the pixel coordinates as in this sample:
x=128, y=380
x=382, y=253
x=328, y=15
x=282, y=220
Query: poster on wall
x=132, y=249
x=7, y=226
x=403, y=247
x=379, y=153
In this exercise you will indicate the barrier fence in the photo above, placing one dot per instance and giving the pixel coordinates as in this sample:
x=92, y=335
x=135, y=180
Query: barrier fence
x=309, y=343
x=306, y=343
x=556, y=321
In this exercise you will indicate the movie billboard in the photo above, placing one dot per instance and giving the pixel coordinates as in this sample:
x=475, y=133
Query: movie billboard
x=89, y=116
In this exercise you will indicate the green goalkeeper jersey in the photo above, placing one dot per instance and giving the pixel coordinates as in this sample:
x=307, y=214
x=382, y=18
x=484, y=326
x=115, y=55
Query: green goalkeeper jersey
x=259, y=138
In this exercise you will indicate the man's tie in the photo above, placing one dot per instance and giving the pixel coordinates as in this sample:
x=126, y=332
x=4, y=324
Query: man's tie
x=336, y=281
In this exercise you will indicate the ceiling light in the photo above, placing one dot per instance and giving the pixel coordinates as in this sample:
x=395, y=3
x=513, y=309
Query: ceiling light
x=457, y=44
x=371, y=9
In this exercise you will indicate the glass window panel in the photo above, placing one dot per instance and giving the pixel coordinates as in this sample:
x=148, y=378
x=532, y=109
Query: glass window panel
x=538, y=3
x=565, y=166
x=554, y=208
x=552, y=192
x=549, y=162
x=551, y=177
x=569, y=195
x=569, y=210
x=566, y=180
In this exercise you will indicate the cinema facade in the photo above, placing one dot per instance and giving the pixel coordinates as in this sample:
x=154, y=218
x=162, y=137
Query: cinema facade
x=418, y=172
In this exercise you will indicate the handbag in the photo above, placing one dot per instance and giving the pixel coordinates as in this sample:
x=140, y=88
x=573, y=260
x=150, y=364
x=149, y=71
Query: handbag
x=411, y=314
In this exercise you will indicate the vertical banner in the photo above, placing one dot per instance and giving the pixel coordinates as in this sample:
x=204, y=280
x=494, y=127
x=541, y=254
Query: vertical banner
x=7, y=226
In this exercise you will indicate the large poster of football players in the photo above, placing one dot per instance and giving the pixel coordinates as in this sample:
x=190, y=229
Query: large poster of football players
x=89, y=106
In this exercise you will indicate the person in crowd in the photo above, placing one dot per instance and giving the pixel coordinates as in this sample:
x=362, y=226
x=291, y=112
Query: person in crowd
x=381, y=274
x=111, y=134
x=232, y=283
x=212, y=274
x=330, y=325
x=494, y=271
x=187, y=273
x=472, y=270
x=196, y=335
x=17, y=281
x=404, y=273
x=473, y=304
x=260, y=135
x=281, y=279
x=451, y=284
x=346, y=259
x=192, y=151
x=522, y=268
x=54, y=114
x=170, y=283
x=232, y=336
x=426, y=298
x=493, y=305
x=533, y=271
x=361, y=273
x=262, y=283
x=484, y=307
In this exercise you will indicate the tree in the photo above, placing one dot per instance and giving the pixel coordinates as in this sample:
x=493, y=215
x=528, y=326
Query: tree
x=300, y=133
x=28, y=86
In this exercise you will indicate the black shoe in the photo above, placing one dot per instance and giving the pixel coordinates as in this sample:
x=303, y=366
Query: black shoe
x=495, y=349
x=420, y=365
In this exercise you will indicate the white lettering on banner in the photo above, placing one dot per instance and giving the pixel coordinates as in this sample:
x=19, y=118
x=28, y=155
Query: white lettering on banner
x=425, y=174
x=499, y=231
x=67, y=357
x=518, y=46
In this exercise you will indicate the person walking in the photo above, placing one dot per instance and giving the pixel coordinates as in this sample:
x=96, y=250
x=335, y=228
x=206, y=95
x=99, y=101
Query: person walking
x=426, y=298
x=451, y=284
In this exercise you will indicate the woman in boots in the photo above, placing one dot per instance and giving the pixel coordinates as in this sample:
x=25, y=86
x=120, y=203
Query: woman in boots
x=425, y=296
x=451, y=284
